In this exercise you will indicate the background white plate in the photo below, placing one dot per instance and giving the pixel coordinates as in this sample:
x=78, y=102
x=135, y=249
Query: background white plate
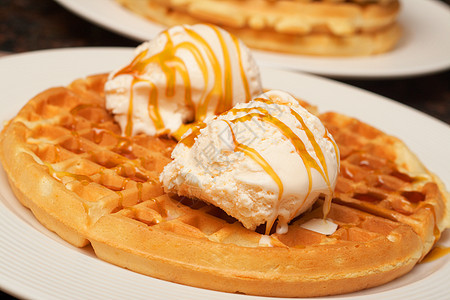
x=35, y=263
x=424, y=47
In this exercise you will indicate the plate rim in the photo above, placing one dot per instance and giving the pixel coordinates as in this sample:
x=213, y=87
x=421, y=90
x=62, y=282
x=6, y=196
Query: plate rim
x=20, y=224
x=310, y=64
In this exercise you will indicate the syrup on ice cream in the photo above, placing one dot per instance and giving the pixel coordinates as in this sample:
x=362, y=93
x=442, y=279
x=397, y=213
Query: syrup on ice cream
x=262, y=161
x=179, y=78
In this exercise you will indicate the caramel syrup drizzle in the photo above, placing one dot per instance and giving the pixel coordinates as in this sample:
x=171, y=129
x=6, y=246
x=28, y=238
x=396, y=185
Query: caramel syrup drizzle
x=309, y=162
x=171, y=65
x=241, y=68
x=436, y=231
x=60, y=174
x=259, y=159
x=201, y=109
x=124, y=147
x=80, y=107
x=227, y=100
x=190, y=138
x=436, y=253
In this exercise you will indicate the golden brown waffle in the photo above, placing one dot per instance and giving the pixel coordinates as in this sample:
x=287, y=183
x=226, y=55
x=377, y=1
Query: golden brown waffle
x=90, y=185
x=80, y=166
x=380, y=175
x=336, y=28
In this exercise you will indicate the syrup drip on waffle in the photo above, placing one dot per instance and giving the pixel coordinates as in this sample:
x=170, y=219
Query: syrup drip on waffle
x=122, y=163
x=436, y=253
x=380, y=205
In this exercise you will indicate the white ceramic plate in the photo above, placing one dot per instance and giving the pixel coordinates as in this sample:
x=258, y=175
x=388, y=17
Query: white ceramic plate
x=35, y=263
x=424, y=48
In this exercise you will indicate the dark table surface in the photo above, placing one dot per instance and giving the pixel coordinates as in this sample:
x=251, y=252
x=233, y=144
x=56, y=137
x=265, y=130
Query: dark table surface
x=27, y=25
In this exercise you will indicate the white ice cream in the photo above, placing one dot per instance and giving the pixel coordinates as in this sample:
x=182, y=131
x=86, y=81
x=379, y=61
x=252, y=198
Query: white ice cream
x=261, y=161
x=183, y=75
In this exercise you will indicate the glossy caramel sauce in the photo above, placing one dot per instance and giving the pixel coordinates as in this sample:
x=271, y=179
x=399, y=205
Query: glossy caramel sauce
x=310, y=163
x=256, y=157
x=189, y=140
x=126, y=164
x=436, y=231
x=172, y=66
x=436, y=253
x=60, y=174
x=78, y=108
x=222, y=85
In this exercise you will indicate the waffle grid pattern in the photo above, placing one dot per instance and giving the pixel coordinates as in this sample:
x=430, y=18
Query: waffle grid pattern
x=81, y=146
x=71, y=136
x=373, y=179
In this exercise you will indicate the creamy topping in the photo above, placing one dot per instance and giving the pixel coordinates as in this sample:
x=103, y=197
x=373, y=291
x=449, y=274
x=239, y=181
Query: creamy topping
x=265, y=241
x=323, y=226
x=185, y=74
x=262, y=161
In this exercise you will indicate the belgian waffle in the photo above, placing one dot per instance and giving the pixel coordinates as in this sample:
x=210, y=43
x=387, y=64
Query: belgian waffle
x=335, y=28
x=92, y=186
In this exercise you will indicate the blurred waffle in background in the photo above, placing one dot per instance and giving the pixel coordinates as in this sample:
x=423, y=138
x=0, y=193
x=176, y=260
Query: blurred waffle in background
x=327, y=27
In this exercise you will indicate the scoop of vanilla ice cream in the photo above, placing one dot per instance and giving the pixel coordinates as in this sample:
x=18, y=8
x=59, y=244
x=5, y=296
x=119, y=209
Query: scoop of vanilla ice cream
x=260, y=161
x=183, y=75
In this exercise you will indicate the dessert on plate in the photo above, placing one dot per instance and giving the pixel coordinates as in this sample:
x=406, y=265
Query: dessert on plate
x=324, y=27
x=223, y=210
x=180, y=77
x=263, y=161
